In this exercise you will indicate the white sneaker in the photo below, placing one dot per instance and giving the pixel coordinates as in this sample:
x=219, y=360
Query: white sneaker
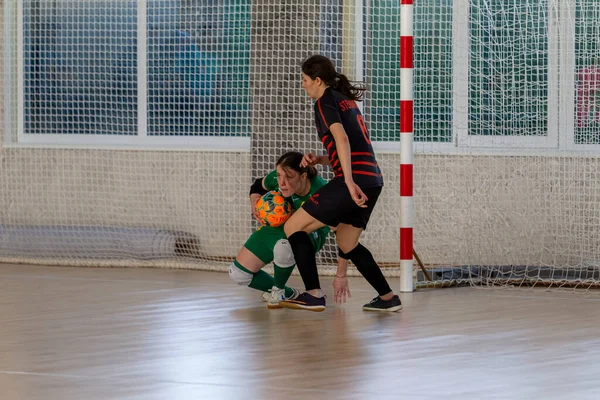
x=265, y=296
x=278, y=295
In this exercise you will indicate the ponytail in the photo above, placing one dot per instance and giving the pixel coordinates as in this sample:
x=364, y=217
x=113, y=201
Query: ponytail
x=343, y=85
x=322, y=67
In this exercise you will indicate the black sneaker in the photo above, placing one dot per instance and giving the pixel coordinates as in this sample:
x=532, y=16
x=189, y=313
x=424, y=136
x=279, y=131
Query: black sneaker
x=391, y=305
x=305, y=301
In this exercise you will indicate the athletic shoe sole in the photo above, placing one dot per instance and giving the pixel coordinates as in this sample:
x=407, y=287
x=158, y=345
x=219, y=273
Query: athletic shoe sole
x=297, y=306
x=391, y=309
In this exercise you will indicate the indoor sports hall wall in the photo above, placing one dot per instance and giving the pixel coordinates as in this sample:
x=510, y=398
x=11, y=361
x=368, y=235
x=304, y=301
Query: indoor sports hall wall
x=505, y=167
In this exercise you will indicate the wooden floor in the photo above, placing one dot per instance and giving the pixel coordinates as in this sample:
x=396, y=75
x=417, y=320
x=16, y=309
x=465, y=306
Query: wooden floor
x=86, y=334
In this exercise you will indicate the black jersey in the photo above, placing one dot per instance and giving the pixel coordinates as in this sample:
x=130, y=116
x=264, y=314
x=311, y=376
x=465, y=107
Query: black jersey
x=334, y=107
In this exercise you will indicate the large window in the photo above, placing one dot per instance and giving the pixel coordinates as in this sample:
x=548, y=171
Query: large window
x=587, y=72
x=198, y=67
x=508, y=65
x=486, y=74
x=80, y=67
x=506, y=74
x=432, y=70
x=83, y=76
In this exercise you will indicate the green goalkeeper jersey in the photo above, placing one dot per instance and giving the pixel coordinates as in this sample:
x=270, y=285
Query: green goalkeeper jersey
x=316, y=183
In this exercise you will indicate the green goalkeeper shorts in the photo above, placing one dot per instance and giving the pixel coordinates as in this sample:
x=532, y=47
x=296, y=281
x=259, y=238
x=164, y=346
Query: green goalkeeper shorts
x=263, y=240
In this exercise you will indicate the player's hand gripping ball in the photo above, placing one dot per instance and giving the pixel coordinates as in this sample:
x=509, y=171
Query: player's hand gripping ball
x=273, y=209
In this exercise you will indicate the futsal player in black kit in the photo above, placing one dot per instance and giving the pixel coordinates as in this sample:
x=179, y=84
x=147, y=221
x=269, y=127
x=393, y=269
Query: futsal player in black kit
x=348, y=199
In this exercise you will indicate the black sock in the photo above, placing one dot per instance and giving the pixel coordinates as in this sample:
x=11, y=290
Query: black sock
x=366, y=265
x=304, y=253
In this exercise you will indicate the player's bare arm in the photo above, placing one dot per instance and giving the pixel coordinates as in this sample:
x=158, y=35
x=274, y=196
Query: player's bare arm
x=341, y=289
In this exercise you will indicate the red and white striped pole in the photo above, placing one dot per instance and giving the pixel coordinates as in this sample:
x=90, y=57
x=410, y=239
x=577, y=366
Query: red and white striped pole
x=406, y=145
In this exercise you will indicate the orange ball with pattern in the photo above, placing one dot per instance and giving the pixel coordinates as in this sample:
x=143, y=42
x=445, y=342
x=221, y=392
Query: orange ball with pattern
x=273, y=209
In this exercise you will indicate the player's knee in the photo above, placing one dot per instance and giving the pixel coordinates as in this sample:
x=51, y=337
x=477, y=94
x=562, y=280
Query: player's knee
x=238, y=276
x=343, y=255
x=357, y=251
x=283, y=256
x=346, y=246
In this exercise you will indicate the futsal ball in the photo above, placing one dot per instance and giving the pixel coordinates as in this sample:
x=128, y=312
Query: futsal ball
x=273, y=209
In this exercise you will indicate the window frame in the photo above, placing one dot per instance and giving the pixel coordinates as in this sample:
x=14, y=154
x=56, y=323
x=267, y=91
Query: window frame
x=461, y=57
x=97, y=141
x=561, y=108
x=560, y=133
x=568, y=77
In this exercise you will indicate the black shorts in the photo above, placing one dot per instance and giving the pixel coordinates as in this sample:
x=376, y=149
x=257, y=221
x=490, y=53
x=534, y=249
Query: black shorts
x=332, y=205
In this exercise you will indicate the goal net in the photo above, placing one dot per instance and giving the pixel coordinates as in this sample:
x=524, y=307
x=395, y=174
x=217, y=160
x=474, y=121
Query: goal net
x=132, y=130
x=508, y=132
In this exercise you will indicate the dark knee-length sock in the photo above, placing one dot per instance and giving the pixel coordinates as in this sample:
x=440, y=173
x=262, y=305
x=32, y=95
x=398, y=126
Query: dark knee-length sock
x=304, y=253
x=367, y=266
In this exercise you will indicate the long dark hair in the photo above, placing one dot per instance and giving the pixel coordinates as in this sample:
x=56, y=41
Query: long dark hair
x=292, y=160
x=318, y=66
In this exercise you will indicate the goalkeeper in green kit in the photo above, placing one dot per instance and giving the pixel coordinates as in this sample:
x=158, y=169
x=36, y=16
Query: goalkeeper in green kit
x=268, y=243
